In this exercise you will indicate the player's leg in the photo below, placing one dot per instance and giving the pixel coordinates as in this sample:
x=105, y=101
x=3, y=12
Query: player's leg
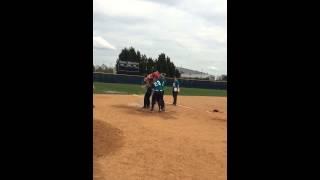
x=148, y=97
x=153, y=100
x=174, y=98
x=145, y=101
x=159, y=100
x=162, y=101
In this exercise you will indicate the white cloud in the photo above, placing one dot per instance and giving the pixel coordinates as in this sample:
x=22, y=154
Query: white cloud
x=193, y=34
x=99, y=42
x=217, y=33
x=205, y=7
x=213, y=68
x=123, y=7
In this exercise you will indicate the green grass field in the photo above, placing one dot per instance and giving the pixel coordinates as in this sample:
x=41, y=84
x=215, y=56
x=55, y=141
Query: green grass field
x=106, y=88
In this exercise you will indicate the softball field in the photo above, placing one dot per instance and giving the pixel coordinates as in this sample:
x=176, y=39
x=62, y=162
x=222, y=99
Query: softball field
x=187, y=142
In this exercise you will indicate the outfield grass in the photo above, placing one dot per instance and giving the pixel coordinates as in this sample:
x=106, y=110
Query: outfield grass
x=105, y=88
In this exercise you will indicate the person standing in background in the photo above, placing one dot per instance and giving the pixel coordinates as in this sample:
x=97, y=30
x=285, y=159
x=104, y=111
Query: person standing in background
x=175, y=90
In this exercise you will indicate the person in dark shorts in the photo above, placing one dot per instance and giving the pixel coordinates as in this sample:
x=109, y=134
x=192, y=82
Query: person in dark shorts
x=157, y=96
x=175, y=90
x=148, y=93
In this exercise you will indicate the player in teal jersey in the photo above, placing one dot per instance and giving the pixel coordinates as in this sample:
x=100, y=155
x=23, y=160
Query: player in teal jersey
x=158, y=90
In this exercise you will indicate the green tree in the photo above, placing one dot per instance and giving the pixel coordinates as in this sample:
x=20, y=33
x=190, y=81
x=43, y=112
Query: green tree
x=132, y=55
x=161, y=63
x=147, y=65
x=108, y=70
x=99, y=69
x=150, y=65
x=124, y=55
x=138, y=57
x=177, y=73
x=171, y=68
x=143, y=65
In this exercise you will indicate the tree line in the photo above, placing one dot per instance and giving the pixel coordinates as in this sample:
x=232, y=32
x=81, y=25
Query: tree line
x=163, y=63
x=103, y=68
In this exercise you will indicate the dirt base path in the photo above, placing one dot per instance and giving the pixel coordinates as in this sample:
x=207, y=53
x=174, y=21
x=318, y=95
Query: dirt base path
x=187, y=141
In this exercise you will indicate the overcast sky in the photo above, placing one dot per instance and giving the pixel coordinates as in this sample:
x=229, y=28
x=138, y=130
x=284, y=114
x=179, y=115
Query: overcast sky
x=193, y=33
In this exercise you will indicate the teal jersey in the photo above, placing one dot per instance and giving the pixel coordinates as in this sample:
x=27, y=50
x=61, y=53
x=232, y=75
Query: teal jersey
x=162, y=81
x=158, y=85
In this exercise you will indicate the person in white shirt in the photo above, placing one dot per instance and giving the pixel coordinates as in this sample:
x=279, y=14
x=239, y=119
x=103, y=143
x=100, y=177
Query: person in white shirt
x=175, y=90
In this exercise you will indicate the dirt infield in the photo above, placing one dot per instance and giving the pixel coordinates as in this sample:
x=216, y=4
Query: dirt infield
x=186, y=142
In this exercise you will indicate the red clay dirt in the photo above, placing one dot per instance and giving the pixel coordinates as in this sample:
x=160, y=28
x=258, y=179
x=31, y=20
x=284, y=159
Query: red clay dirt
x=186, y=142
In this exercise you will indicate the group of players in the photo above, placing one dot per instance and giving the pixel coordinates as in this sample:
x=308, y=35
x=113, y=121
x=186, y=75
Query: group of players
x=154, y=84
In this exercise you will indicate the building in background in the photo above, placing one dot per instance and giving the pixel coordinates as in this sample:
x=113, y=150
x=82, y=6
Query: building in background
x=188, y=73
